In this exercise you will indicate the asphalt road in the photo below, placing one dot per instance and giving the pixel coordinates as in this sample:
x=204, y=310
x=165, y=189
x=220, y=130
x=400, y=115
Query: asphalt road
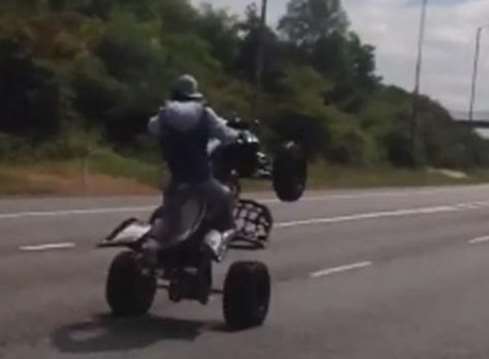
x=357, y=274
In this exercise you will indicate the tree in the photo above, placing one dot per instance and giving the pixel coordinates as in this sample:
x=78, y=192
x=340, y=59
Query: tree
x=351, y=64
x=306, y=21
x=220, y=30
x=176, y=16
x=246, y=61
x=363, y=62
x=331, y=58
x=31, y=100
x=26, y=7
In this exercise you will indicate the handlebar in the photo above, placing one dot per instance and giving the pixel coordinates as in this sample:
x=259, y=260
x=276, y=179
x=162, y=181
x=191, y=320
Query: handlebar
x=239, y=124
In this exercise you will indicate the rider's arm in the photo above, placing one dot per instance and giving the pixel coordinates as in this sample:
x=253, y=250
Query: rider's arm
x=154, y=124
x=219, y=130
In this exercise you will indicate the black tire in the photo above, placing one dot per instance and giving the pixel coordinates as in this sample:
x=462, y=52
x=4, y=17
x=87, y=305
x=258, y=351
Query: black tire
x=290, y=173
x=246, y=296
x=129, y=292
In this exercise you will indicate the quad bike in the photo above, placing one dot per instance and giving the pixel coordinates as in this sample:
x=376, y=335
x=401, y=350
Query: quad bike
x=186, y=262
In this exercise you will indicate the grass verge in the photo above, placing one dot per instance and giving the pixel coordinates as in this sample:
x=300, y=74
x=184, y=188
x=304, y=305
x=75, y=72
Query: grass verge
x=107, y=173
x=322, y=176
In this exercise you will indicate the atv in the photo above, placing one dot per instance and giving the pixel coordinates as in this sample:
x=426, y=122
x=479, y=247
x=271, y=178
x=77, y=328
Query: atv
x=185, y=265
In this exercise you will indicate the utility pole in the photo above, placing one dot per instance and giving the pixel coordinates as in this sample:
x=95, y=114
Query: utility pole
x=417, y=81
x=473, y=92
x=260, y=56
x=475, y=71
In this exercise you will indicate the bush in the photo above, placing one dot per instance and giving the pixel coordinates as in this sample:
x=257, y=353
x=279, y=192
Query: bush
x=312, y=133
x=351, y=146
x=31, y=100
x=13, y=148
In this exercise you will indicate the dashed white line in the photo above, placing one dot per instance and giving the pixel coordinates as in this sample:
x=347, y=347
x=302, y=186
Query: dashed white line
x=46, y=247
x=326, y=197
x=373, y=194
x=344, y=196
x=70, y=212
x=313, y=221
x=340, y=269
x=479, y=240
x=385, y=214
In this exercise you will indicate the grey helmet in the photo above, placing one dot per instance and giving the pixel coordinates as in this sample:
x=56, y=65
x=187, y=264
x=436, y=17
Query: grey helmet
x=186, y=87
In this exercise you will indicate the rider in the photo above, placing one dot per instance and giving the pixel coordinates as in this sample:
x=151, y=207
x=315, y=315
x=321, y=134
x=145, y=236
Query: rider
x=185, y=126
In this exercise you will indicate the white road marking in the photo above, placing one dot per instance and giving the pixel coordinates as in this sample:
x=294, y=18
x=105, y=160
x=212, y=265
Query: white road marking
x=374, y=194
x=342, y=196
x=327, y=220
x=341, y=269
x=384, y=214
x=326, y=197
x=71, y=212
x=313, y=221
x=46, y=247
x=479, y=240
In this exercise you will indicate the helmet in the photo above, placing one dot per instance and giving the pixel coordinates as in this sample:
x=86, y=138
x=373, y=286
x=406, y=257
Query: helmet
x=186, y=87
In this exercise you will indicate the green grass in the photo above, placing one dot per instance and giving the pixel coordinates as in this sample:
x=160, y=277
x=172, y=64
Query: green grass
x=326, y=176
x=43, y=177
x=49, y=176
x=109, y=163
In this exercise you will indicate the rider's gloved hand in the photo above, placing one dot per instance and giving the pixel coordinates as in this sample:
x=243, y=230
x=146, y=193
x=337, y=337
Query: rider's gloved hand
x=241, y=138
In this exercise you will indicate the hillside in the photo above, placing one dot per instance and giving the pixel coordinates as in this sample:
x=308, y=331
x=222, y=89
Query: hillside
x=83, y=75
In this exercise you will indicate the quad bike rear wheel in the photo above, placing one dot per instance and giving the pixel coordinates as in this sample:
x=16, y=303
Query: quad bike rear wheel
x=129, y=292
x=246, y=296
x=290, y=173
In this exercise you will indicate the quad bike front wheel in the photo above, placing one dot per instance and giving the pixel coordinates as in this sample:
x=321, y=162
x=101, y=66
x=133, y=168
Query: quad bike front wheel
x=129, y=292
x=290, y=173
x=246, y=296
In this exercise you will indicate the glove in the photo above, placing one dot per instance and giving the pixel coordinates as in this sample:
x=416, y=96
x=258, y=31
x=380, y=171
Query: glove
x=242, y=138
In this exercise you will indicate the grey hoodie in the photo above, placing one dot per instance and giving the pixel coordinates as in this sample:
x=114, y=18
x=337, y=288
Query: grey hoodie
x=185, y=130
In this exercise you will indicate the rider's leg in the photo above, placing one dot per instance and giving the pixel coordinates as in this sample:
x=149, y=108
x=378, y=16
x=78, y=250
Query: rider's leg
x=220, y=201
x=164, y=226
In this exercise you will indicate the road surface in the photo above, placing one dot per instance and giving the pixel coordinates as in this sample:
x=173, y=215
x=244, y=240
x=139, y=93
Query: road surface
x=357, y=274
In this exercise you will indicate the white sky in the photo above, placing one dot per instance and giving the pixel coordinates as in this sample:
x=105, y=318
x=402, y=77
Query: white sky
x=392, y=27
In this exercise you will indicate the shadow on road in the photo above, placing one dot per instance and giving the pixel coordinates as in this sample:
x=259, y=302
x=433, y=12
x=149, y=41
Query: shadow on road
x=105, y=333
x=214, y=291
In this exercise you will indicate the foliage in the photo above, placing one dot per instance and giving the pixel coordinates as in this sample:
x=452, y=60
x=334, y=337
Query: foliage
x=77, y=73
x=308, y=21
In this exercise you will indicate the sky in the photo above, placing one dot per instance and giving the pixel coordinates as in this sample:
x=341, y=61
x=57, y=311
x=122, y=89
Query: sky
x=392, y=27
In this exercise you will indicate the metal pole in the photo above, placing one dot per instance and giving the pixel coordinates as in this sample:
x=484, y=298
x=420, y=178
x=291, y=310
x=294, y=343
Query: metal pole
x=261, y=45
x=417, y=81
x=260, y=56
x=475, y=73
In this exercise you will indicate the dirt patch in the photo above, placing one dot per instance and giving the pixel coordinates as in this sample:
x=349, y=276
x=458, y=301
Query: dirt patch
x=106, y=185
x=450, y=173
x=66, y=182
